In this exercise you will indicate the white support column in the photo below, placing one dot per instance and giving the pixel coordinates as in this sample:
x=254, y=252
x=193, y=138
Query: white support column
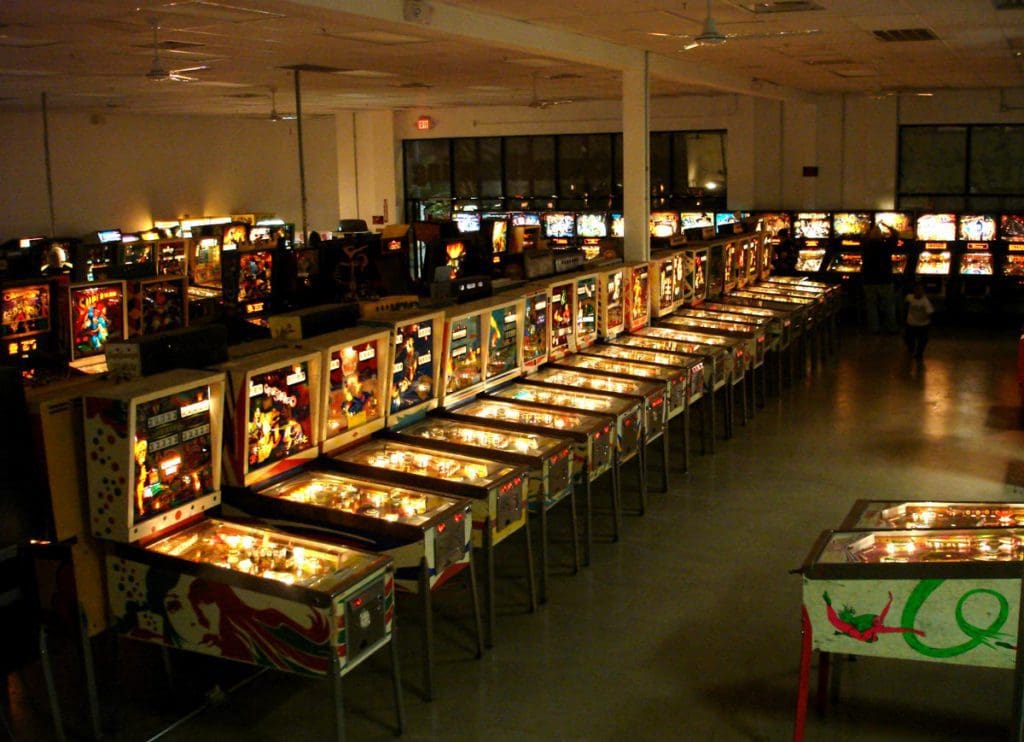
x=636, y=187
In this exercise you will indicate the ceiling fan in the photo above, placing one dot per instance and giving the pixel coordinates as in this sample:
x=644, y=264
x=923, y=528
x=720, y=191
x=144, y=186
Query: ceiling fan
x=157, y=71
x=537, y=102
x=274, y=115
x=710, y=35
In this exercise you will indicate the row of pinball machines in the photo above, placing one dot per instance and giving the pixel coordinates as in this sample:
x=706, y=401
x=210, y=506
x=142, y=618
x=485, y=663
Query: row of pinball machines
x=942, y=577
x=64, y=301
x=308, y=478
x=965, y=258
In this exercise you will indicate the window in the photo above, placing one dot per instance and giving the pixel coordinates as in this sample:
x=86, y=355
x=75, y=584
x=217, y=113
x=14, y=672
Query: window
x=569, y=171
x=960, y=168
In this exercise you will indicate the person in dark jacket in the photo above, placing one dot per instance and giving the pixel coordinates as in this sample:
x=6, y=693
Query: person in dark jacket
x=876, y=277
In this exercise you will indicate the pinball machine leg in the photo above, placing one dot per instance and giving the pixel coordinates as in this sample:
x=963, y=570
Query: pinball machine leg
x=664, y=458
x=339, y=695
x=51, y=688
x=711, y=420
x=616, y=498
x=764, y=384
x=642, y=475
x=574, y=530
x=800, y=720
x=543, y=509
x=531, y=576
x=165, y=657
x=489, y=578
x=90, y=675
x=588, y=519
x=686, y=438
x=428, y=632
x=396, y=683
x=475, y=597
x=835, y=682
x=821, y=697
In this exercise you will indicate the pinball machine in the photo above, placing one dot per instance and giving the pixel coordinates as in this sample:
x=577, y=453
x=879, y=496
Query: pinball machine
x=415, y=361
x=586, y=308
x=96, y=316
x=497, y=490
x=737, y=360
x=812, y=231
x=548, y=458
x=694, y=279
x=562, y=305
x=755, y=342
x=156, y=304
x=354, y=387
x=772, y=224
x=1011, y=276
x=611, y=302
x=849, y=231
x=933, y=592
x=935, y=235
x=975, y=261
x=152, y=482
x=692, y=379
x=536, y=318
x=899, y=226
x=463, y=350
x=592, y=435
x=662, y=283
x=651, y=395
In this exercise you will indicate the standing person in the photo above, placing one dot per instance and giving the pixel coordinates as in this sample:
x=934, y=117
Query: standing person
x=919, y=317
x=786, y=255
x=876, y=275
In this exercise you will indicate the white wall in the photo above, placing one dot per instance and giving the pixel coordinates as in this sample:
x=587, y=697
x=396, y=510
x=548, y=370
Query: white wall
x=124, y=170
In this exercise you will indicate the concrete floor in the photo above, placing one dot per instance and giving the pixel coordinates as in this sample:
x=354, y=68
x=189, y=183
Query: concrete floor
x=688, y=628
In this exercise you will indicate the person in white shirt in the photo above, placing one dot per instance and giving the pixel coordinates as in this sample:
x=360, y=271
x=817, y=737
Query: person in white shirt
x=919, y=317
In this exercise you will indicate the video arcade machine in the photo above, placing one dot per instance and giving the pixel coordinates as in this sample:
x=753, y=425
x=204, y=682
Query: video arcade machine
x=811, y=230
x=617, y=233
x=935, y=236
x=248, y=284
x=975, y=261
x=560, y=234
x=611, y=302
x=849, y=230
x=1011, y=278
x=290, y=603
x=664, y=228
x=592, y=233
x=697, y=225
x=494, y=236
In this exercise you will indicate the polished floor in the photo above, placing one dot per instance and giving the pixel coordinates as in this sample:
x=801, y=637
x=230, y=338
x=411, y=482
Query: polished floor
x=688, y=627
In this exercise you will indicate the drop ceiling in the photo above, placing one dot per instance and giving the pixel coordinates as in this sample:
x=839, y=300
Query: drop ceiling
x=94, y=55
